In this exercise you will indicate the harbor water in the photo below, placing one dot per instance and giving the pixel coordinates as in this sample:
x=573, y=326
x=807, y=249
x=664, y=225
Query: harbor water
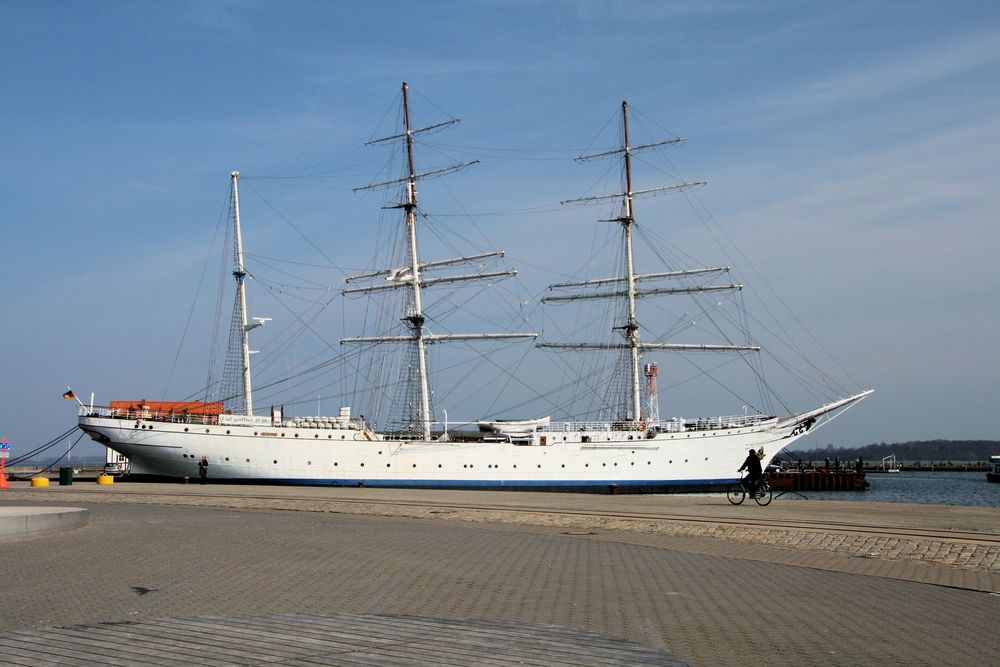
x=934, y=488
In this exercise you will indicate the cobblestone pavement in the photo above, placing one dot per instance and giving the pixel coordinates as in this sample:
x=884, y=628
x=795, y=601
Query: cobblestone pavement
x=147, y=561
x=961, y=554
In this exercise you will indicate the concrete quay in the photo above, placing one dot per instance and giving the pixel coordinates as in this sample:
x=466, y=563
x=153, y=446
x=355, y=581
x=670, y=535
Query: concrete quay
x=691, y=579
x=22, y=522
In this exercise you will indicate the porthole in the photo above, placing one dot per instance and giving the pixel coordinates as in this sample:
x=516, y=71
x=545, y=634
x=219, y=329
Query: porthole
x=380, y=451
x=296, y=435
x=185, y=429
x=670, y=461
x=184, y=456
x=439, y=465
x=328, y=437
x=309, y=463
x=343, y=437
x=334, y=464
x=362, y=465
x=685, y=460
x=388, y=465
x=586, y=465
x=470, y=465
x=515, y=466
x=227, y=432
x=633, y=463
x=276, y=461
x=616, y=464
x=414, y=465
x=706, y=458
x=604, y=465
x=316, y=436
x=248, y=460
x=255, y=432
x=564, y=465
x=282, y=435
x=206, y=430
x=227, y=458
x=464, y=466
x=539, y=465
x=490, y=466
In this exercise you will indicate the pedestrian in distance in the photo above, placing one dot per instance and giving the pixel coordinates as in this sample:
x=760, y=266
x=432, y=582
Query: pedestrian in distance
x=203, y=469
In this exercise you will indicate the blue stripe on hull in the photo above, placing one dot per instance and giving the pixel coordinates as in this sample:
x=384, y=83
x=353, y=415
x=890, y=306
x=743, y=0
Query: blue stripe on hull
x=577, y=486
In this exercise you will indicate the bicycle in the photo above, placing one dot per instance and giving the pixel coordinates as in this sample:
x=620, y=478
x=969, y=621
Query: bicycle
x=738, y=492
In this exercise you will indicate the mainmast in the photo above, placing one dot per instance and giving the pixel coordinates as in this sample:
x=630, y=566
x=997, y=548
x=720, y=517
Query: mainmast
x=628, y=284
x=416, y=318
x=412, y=275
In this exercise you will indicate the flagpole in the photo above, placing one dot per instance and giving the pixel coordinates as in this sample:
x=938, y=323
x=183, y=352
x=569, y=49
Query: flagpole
x=72, y=394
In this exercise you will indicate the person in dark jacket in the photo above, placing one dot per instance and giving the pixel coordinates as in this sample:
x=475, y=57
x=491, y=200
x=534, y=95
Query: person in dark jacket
x=203, y=469
x=752, y=466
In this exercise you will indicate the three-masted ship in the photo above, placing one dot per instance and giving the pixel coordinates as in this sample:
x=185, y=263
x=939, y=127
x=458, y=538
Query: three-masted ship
x=627, y=447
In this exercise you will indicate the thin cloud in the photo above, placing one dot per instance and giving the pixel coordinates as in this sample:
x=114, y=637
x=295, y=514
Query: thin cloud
x=892, y=76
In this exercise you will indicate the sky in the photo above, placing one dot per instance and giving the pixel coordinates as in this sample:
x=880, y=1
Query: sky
x=849, y=150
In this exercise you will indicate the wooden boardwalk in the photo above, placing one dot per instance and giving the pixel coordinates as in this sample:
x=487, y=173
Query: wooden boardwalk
x=321, y=639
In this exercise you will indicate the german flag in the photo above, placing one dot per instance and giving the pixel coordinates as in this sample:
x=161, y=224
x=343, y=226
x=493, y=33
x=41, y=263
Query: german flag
x=69, y=394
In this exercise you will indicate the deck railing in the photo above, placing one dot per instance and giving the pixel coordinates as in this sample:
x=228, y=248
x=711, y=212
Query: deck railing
x=675, y=425
x=147, y=415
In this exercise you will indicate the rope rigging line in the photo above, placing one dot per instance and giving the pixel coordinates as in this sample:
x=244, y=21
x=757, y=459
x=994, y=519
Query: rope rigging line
x=296, y=230
x=38, y=450
x=194, y=301
x=64, y=455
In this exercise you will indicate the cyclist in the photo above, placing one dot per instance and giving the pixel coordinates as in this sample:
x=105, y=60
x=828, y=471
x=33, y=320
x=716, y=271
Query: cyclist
x=752, y=466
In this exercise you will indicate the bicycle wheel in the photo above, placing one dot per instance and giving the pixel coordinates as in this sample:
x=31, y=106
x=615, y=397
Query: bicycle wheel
x=763, y=495
x=736, y=493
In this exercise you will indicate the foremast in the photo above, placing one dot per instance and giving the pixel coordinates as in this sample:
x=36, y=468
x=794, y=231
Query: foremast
x=630, y=328
x=412, y=275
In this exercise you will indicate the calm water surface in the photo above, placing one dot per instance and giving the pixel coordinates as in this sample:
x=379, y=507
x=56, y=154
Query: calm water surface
x=933, y=488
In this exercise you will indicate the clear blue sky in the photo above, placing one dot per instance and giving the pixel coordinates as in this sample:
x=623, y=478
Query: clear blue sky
x=851, y=151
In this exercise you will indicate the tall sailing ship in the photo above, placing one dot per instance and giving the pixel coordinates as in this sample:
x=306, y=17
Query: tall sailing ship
x=623, y=446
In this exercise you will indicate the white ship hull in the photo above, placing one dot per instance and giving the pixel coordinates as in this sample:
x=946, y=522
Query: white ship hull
x=699, y=458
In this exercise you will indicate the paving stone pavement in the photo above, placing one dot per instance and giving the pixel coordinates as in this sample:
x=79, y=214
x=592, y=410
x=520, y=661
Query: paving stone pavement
x=139, y=561
x=952, y=553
